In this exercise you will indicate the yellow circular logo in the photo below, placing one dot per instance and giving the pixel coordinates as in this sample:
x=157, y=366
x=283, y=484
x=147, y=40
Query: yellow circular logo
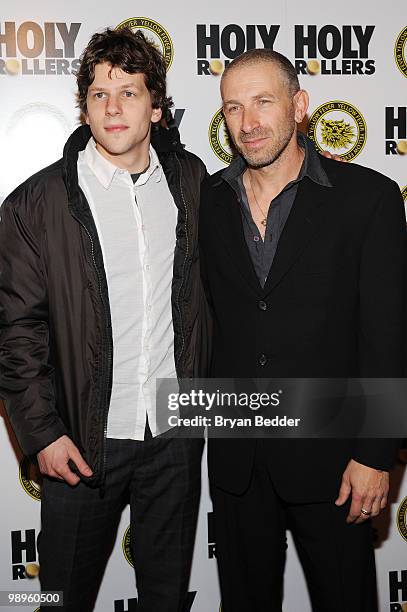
x=160, y=37
x=338, y=127
x=219, y=138
x=30, y=478
x=400, y=51
x=402, y=519
x=126, y=547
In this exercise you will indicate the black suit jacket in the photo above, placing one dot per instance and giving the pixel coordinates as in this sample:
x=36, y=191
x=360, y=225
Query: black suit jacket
x=336, y=307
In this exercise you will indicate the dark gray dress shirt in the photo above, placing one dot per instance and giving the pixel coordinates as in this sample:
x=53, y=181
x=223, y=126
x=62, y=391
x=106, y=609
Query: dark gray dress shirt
x=262, y=252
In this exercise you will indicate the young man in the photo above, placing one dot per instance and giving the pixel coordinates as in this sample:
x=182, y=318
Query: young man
x=304, y=261
x=99, y=296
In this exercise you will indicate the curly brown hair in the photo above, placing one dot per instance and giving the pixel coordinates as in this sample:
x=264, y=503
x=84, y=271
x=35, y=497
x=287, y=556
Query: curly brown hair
x=133, y=53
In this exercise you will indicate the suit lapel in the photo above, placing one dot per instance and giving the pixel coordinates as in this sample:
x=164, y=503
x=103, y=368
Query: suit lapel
x=229, y=226
x=302, y=225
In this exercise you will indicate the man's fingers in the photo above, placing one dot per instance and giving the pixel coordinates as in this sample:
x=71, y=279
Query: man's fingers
x=364, y=516
x=344, y=493
x=363, y=508
x=354, y=512
x=66, y=474
x=369, y=490
x=358, y=502
x=49, y=471
x=62, y=472
x=383, y=502
x=376, y=506
x=79, y=461
x=360, y=510
x=53, y=461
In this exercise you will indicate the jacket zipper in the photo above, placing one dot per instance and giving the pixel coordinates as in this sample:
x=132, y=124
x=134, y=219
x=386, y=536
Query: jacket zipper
x=109, y=352
x=103, y=471
x=185, y=258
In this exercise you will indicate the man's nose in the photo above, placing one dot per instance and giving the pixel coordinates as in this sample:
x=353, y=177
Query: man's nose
x=113, y=106
x=249, y=121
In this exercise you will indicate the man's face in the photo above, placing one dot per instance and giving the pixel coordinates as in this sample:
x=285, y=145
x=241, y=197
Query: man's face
x=119, y=112
x=260, y=113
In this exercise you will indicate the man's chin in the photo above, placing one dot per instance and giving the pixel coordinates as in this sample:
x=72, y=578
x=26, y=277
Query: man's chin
x=259, y=164
x=258, y=161
x=255, y=159
x=261, y=160
x=115, y=149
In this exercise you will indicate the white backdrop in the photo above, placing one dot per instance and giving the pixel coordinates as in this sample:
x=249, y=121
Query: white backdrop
x=357, y=85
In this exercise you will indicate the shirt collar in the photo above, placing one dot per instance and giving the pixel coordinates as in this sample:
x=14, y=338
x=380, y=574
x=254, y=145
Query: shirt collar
x=154, y=170
x=311, y=166
x=105, y=171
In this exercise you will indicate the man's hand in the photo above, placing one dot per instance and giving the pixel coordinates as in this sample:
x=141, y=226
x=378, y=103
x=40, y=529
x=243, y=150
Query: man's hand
x=369, y=489
x=329, y=155
x=53, y=461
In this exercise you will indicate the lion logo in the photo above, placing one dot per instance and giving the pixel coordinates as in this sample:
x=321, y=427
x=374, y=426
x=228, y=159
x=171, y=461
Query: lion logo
x=339, y=127
x=337, y=134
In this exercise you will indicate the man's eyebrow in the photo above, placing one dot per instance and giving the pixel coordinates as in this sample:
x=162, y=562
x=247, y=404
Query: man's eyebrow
x=124, y=86
x=264, y=94
x=231, y=102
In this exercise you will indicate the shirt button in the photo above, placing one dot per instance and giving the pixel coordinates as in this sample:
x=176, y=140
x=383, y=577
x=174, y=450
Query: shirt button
x=262, y=305
x=263, y=359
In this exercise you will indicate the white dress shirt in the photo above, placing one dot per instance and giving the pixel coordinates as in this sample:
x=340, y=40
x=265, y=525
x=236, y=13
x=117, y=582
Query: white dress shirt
x=136, y=225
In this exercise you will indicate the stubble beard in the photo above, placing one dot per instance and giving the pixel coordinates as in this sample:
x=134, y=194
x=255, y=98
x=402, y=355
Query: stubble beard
x=272, y=152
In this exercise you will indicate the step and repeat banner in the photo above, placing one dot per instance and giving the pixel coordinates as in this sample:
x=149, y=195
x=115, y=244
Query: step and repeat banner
x=351, y=57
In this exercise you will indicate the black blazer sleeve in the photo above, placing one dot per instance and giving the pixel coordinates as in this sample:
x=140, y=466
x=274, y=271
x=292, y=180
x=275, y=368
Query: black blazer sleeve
x=382, y=324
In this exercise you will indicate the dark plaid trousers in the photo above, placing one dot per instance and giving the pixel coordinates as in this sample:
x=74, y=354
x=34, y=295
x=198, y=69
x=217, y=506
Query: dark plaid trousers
x=160, y=477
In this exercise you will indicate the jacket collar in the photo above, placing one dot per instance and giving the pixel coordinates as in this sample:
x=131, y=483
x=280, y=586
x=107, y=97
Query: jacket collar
x=303, y=224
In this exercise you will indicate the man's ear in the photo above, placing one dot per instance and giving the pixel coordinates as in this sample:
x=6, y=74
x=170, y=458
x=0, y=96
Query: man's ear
x=301, y=102
x=156, y=115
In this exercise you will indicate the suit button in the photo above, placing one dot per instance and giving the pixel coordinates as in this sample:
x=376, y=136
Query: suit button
x=262, y=305
x=263, y=359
